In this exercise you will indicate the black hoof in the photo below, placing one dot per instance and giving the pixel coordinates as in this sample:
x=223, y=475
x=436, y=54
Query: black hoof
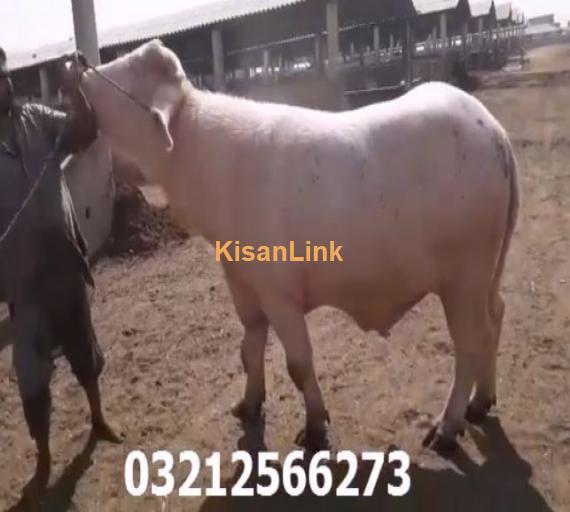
x=477, y=414
x=35, y=490
x=440, y=442
x=444, y=445
x=313, y=439
x=103, y=432
x=245, y=413
x=34, y=496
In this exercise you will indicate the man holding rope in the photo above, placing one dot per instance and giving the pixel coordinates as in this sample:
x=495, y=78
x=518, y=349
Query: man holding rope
x=44, y=271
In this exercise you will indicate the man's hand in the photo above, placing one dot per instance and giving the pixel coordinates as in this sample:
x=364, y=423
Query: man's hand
x=71, y=67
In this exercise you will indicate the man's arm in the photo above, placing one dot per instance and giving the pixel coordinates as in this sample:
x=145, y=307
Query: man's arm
x=81, y=129
x=77, y=130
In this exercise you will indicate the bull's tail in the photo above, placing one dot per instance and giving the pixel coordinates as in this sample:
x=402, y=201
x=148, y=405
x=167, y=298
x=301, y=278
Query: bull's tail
x=511, y=170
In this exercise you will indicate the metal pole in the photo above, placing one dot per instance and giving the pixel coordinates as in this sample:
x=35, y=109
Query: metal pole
x=464, y=34
x=85, y=28
x=443, y=28
x=376, y=37
x=44, y=85
x=318, y=52
x=333, y=45
x=408, y=53
x=218, y=56
x=266, y=63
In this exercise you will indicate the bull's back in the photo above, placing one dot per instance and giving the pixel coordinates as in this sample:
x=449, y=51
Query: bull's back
x=417, y=181
x=414, y=166
x=396, y=185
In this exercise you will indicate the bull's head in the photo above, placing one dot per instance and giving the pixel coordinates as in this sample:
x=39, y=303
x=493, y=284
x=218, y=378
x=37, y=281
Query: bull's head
x=135, y=98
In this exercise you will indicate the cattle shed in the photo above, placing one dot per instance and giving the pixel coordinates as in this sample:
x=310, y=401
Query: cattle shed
x=504, y=14
x=252, y=45
x=261, y=39
x=227, y=42
x=542, y=30
x=441, y=19
x=328, y=54
x=483, y=16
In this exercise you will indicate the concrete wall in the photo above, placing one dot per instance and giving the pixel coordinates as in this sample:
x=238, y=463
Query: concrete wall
x=90, y=180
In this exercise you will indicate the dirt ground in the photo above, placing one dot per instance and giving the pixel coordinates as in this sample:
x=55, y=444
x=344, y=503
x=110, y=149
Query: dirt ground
x=171, y=339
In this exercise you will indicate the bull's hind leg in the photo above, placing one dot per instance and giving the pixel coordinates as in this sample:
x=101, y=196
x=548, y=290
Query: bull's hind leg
x=253, y=360
x=485, y=385
x=469, y=322
x=289, y=324
x=252, y=349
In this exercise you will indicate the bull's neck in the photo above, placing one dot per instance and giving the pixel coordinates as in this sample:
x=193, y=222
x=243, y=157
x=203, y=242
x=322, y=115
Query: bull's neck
x=212, y=133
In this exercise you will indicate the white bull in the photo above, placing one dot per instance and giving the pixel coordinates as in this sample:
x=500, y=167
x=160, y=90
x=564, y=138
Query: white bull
x=421, y=193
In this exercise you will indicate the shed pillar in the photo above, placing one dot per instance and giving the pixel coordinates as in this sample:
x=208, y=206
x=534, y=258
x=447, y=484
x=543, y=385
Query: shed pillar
x=266, y=57
x=44, y=85
x=443, y=29
x=333, y=45
x=480, y=32
x=408, y=53
x=464, y=31
x=318, y=53
x=376, y=37
x=85, y=29
x=218, y=56
x=480, y=25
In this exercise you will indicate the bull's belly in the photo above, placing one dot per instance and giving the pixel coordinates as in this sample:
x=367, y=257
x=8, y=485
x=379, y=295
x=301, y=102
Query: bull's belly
x=381, y=314
x=376, y=300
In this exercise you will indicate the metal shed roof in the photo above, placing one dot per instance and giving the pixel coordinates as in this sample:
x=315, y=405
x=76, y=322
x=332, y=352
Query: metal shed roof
x=431, y=6
x=481, y=7
x=46, y=53
x=191, y=18
x=504, y=11
x=202, y=15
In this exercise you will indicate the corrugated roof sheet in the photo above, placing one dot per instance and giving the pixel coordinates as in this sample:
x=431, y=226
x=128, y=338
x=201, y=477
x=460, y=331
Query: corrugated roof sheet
x=191, y=18
x=46, y=53
x=504, y=11
x=480, y=7
x=431, y=6
x=194, y=17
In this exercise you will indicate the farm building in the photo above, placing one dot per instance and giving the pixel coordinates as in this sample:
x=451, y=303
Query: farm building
x=441, y=20
x=249, y=45
x=543, y=28
x=229, y=42
x=483, y=16
x=327, y=54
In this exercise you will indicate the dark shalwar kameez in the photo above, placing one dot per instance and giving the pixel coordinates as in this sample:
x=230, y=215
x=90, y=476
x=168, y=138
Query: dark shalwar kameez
x=43, y=262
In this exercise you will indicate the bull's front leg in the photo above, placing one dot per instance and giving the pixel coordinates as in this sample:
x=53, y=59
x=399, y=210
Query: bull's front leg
x=288, y=320
x=253, y=360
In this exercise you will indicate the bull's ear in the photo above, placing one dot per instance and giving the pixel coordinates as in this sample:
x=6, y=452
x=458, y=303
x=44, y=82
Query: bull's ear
x=162, y=126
